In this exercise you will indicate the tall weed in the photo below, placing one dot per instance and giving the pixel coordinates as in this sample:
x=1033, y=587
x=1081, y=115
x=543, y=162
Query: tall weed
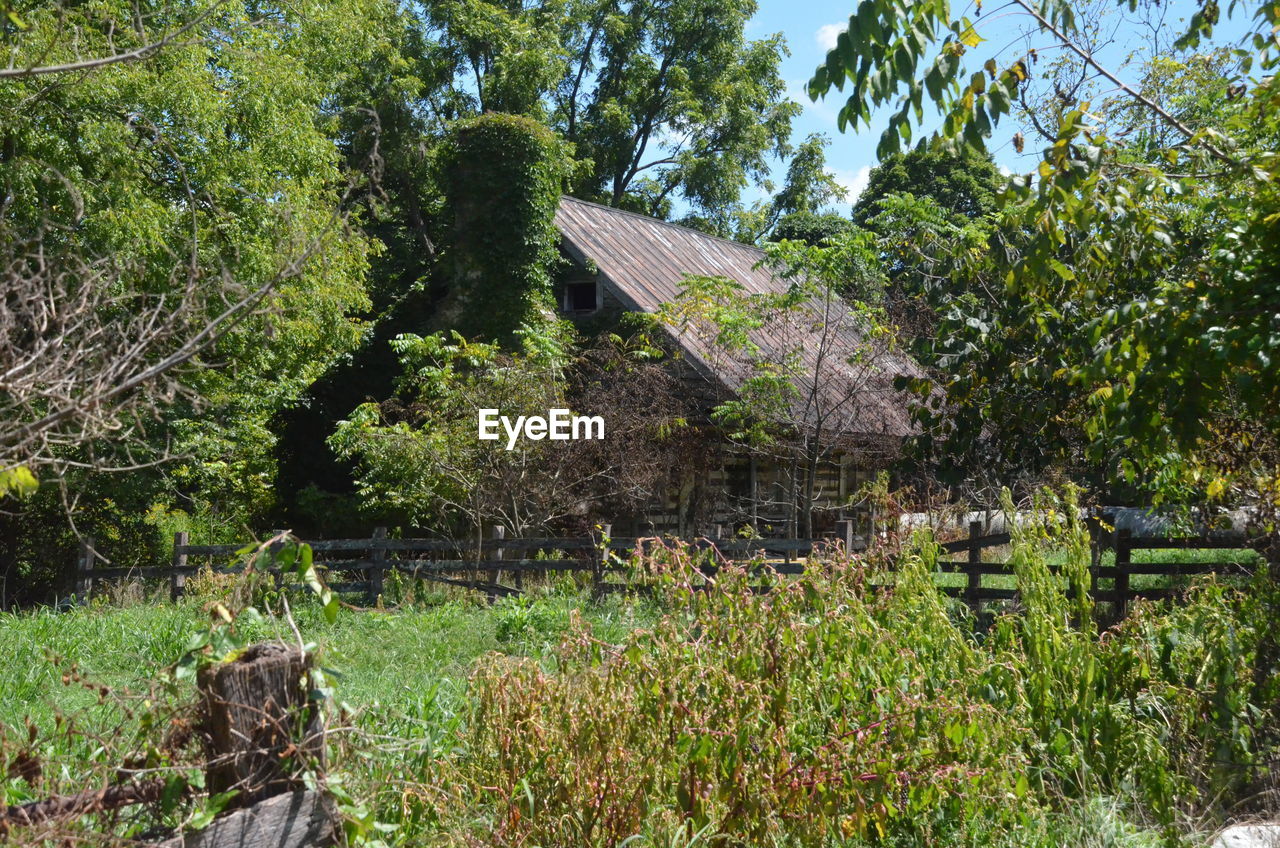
x=829, y=710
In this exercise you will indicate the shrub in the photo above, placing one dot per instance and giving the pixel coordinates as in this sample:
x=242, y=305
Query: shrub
x=830, y=709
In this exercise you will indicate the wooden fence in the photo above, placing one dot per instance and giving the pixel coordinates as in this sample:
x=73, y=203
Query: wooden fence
x=1118, y=573
x=361, y=565
x=476, y=564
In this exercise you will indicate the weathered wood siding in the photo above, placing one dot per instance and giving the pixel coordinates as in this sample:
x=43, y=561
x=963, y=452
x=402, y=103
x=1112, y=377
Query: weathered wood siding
x=724, y=498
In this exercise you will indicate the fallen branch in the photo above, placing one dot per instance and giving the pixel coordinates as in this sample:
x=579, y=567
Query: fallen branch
x=83, y=803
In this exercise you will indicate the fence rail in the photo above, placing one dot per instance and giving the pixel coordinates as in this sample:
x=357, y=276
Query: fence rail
x=463, y=563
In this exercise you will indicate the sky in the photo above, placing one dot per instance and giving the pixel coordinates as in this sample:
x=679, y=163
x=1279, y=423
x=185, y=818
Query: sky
x=811, y=27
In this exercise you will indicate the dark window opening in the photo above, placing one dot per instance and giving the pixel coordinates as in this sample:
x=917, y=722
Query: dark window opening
x=580, y=297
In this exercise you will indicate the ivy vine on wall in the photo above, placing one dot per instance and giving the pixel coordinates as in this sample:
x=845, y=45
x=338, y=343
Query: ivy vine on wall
x=503, y=176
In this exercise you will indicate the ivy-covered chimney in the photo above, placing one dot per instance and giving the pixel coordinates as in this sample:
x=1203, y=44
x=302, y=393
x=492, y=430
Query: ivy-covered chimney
x=502, y=176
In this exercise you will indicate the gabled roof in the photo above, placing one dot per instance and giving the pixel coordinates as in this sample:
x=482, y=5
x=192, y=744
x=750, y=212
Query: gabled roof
x=643, y=262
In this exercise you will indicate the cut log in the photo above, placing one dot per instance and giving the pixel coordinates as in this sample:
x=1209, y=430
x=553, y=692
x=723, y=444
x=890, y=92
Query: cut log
x=301, y=819
x=262, y=728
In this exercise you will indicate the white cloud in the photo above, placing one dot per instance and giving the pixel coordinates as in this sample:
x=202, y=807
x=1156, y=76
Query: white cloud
x=827, y=34
x=853, y=182
x=1005, y=170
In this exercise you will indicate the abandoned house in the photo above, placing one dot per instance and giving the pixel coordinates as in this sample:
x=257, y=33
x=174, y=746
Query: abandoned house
x=849, y=419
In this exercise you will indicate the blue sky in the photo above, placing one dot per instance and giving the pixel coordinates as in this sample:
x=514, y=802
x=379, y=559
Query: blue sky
x=811, y=26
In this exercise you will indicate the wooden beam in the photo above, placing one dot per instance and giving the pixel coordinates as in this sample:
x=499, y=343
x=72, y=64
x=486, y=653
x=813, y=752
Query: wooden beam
x=80, y=804
x=84, y=571
x=178, y=577
x=378, y=553
x=302, y=819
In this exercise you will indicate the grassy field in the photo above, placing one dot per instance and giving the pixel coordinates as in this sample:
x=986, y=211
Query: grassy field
x=452, y=713
x=384, y=658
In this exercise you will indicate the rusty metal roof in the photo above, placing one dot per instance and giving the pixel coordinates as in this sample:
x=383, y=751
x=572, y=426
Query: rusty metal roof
x=845, y=376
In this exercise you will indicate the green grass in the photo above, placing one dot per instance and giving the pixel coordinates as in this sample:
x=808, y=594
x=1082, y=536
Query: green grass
x=385, y=658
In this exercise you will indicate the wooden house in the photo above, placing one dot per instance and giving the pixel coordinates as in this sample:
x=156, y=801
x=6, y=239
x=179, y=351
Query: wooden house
x=848, y=419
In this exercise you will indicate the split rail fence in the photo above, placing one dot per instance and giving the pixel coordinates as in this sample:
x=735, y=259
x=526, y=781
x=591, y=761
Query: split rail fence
x=1118, y=573
x=362, y=565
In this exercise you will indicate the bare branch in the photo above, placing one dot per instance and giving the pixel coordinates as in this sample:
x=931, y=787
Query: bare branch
x=1088, y=58
x=136, y=55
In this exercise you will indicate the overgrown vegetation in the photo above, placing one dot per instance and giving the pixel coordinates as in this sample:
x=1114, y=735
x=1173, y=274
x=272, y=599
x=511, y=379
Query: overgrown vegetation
x=1132, y=292
x=823, y=712
x=503, y=176
x=219, y=219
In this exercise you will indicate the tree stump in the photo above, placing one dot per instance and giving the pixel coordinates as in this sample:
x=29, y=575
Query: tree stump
x=262, y=728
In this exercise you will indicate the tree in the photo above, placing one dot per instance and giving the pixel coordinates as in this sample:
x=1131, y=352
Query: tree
x=1172, y=361
x=661, y=100
x=963, y=184
x=176, y=257
x=175, y=202
x=420, y=461
x=807, y=189
x=914, y=202
x=810, y=227
x=810, y=367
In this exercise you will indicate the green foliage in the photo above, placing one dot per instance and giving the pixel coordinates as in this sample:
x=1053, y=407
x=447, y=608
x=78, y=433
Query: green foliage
x=197, y=176
x=808, y=187
x=19, y=482
x=403, y=676
x=845, y=264
x=39, y=549
x=503, y=177
x=523, y=620
x=147, y=731
x=1138, y=264
x=810, y=227
x=661, y=100
x=421, y=460
x=232, y=622
x=964, y=183
x=728, y=325
x=824, y=712
x=683, y=103
x=512, y=55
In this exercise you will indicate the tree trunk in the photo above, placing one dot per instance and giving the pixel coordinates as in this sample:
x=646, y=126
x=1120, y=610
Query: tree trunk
x=813, y=453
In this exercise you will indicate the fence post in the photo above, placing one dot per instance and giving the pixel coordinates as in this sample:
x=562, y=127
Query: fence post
x=178, y=579
x=499, y=533
x=1123, y=561
x=277, y=578
x=260, y=724
x=378, y=553
x=84, y=571
x=517, y=576
x=974, y=586
x=844, y=528
x=1094, y=525
x=597, y=575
